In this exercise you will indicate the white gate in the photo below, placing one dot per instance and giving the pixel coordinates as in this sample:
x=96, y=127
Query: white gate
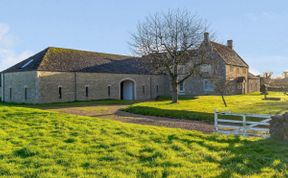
x=239, y=124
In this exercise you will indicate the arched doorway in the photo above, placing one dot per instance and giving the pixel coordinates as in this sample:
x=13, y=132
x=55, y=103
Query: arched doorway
x=127, y=90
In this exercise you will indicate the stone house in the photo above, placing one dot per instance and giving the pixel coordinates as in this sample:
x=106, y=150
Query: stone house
x=223, y=63
x=65, y=75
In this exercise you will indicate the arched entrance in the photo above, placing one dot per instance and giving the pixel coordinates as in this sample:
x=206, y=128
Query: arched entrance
x=127, y=90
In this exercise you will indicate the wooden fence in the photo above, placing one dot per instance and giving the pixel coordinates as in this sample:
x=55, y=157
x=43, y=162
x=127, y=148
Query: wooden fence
x=242, y=124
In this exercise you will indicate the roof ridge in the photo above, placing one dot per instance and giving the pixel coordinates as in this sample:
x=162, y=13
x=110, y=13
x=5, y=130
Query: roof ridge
x=41, y=60
x=88, y=51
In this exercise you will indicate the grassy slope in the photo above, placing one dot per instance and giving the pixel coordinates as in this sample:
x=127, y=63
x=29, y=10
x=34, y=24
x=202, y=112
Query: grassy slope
x=202, y=107
x=40, y=143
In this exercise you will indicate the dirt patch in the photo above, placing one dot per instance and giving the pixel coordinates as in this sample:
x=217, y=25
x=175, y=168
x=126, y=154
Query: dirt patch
x=114, y=112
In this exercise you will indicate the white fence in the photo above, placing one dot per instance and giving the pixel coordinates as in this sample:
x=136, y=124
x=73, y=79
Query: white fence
x=241, y=124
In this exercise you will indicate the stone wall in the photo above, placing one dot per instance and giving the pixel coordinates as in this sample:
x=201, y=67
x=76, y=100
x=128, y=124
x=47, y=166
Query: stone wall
x=14, y=84
x=253, y=85
x=97, y=84
x=279, y=127
x=195, y=85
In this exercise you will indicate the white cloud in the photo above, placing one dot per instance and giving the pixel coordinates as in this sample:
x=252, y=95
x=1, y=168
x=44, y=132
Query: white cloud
x=254, y=71
x=8, y=55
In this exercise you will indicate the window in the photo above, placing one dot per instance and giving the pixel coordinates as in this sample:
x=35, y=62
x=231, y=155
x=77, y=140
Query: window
x=143, y=90
x=157, y=88
x=206, y=68
x=25, y=93
x=231, y=68
x=181, y=87
x=86, y=91
x=0, y=80
x=237, y=71
x=208, y=85
x=10, y=93
x=109, y=91
x=26, y=64
x=60, y=92
x=243, y=71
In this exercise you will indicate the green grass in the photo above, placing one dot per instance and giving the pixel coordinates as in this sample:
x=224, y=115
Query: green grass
x=37, y=143
x=202, y=107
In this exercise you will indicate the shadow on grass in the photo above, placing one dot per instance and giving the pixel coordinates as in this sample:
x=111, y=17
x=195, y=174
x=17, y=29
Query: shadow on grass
x=72, y=104
x=242, y=156
x=176, y=114
x=164, y=98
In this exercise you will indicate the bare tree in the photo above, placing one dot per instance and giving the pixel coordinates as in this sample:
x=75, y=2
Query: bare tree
x=168, y=41
x=267, y=77
x=266, y=81
x=223, y=87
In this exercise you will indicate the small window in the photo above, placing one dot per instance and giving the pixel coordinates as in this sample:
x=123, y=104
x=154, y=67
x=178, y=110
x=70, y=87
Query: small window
x=86, y=91
x=143, y=90
x=238, y=71
x=181, y=86
x=157, y=88
x=208, y=85
x=25, y=93
x=10, y=93
x=206, y=68
x=109, y=91
x=26, y=64
x=0, y=80
x=60, y=92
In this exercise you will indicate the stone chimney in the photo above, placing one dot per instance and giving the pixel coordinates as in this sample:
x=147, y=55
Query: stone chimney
x=206, y=37
x=230, y=44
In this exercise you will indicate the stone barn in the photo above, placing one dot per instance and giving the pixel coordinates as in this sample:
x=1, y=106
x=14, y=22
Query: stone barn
x=65, y=75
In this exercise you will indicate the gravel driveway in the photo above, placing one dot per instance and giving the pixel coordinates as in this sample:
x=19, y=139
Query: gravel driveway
x=114, y=112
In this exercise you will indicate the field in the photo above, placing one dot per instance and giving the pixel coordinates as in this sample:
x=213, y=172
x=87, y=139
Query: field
x=202, y=107
x=37, y=143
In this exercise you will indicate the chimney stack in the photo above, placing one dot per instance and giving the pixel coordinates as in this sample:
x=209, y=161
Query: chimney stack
x=230, y=44
x=206, y=37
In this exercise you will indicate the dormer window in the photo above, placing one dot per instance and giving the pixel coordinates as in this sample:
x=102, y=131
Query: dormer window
x=26, y=64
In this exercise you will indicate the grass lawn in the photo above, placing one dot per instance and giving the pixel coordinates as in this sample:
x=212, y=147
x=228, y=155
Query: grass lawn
x=202, y=107
x=37, y=143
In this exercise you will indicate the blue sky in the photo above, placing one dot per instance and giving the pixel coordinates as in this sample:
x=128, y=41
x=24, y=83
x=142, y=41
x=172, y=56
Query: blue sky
x=259, y=28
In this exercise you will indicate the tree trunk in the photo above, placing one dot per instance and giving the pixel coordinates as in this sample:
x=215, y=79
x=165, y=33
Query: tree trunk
x=174, y=93
x=224, y=101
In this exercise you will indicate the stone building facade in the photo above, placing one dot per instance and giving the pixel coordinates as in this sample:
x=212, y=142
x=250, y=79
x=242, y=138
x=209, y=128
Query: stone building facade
x=65, y=75
x=49, y=87
x=224, y=66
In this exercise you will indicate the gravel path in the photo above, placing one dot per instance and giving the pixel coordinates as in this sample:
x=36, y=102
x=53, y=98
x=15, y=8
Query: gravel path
x=114, y=112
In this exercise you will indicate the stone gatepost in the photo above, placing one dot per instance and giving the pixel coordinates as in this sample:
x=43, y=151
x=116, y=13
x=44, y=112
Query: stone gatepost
x=279, y=127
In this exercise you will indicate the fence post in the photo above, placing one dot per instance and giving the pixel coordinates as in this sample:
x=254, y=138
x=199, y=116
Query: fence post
x=216, y=120
x=244, y=125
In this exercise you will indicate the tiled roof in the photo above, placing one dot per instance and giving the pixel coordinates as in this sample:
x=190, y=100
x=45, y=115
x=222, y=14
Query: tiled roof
x=69, y=60
x=228, y=55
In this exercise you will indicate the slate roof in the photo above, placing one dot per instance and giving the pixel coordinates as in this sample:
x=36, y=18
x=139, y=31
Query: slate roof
x=70, y=60
x=251, y=76
x=228, y=55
